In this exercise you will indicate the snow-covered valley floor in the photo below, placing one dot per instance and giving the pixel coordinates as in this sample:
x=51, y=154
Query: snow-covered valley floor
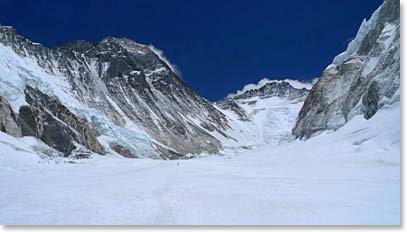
x=350, y=176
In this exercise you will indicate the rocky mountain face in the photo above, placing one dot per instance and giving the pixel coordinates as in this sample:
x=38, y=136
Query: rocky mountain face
x=50, y=121
x=361, y=80
x=269, y=108
x=110, y=96
x=8, y=119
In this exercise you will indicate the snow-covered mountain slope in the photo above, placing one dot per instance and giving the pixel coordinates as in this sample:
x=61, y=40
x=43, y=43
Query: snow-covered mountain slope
x=122, y=91
x=268, y=109
x=350, y=176
x=360, y=80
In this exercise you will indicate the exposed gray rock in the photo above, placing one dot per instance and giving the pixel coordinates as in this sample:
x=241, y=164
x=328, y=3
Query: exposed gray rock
x=8, y=119
x=45, y=118
x=123, y=151
x=361, y=80
x=370, y=100
x=230, y=104
x=169, y=154
x=80, y=153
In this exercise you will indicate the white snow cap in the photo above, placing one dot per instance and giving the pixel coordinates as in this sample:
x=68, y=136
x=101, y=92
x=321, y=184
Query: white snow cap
x=294, y=83
x=160, y=54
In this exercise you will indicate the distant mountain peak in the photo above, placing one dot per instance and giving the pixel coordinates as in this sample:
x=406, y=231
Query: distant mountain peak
x=265, y=81
x=291, y=89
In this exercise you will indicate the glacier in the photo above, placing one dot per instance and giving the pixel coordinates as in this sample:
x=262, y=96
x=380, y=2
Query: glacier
x=346, y=177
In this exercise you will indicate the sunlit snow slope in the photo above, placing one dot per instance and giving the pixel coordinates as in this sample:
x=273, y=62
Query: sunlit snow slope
x=350, y=176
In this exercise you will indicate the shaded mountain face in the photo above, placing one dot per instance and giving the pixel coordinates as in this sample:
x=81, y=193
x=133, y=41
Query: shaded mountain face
x=269, y=109
x=131, y=97
x=361, y=80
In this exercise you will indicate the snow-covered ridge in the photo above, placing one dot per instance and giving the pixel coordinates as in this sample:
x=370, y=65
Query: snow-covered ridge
x=294, y=83
x=365, y=27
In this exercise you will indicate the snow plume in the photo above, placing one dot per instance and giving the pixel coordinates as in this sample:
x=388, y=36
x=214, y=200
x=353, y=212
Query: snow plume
x=294, y=83
x=160, y=54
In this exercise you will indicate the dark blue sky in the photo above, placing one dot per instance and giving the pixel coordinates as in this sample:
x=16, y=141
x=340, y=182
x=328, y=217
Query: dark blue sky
x=219, y=46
